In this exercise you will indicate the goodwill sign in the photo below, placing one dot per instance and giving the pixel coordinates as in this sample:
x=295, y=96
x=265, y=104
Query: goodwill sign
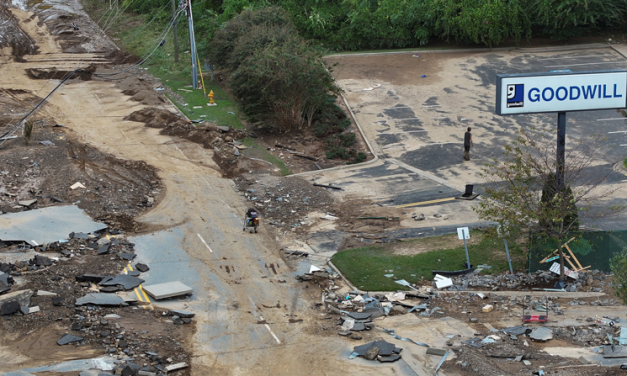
x=560, y=92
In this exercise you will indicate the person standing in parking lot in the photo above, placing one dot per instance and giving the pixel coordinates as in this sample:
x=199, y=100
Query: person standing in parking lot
x=467, y=144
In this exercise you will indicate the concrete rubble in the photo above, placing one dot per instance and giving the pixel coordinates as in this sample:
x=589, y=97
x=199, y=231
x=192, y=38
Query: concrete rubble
x=592, y=281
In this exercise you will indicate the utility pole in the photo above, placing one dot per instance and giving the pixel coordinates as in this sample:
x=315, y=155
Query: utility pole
x=192, y=43
x=176, y=38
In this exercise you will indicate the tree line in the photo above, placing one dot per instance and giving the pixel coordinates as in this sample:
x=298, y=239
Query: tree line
x=375, y=24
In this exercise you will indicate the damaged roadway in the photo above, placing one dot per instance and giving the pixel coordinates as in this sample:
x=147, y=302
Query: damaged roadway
x=247, y=321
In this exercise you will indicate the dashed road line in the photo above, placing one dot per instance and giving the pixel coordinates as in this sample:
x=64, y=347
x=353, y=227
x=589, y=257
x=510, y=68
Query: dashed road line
x=271, y=332
x=205, y=243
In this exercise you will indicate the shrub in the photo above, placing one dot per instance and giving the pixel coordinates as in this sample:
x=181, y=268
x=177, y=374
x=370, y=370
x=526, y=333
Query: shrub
x=276, y=76
x=619, y=268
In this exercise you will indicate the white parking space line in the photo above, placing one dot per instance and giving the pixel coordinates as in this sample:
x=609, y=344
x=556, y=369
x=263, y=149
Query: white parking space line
x=401, y=132
x=271, y=332
x=612, y=119
x=570, y=57
x=577, y=65
x=205, y=243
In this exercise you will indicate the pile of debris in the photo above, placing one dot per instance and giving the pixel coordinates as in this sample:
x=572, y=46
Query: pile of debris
x=284, y=202
x=371, y=307
x=591, y=281
x=78, y=285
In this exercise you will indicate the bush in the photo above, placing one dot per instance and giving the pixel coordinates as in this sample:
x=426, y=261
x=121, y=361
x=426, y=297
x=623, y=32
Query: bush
x=330, y=119
x=338, y=146
x=276, y=76
x=619, y=268
x=565, y=19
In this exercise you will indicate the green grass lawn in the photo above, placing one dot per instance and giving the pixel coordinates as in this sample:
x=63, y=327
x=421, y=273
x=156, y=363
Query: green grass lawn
x=225, y=113
x=365, y=267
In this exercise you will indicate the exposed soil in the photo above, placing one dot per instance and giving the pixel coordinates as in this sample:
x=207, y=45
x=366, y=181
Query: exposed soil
x=115, y=190
x=306, y=143
x=137, y=331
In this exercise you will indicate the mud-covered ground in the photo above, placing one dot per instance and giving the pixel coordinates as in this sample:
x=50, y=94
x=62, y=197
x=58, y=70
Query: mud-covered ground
x=138, y=330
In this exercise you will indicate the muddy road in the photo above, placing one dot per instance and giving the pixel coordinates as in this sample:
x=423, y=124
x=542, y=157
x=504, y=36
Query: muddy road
x=253, y=317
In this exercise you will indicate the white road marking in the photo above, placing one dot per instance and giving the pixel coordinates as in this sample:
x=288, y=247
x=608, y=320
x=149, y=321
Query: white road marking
x=618, y=132
x=577, y=65
x=623, y=144
x=205, y=243
x=401, y=132
x=610, y=119
x=391, y=108
x=271, y=332
x=570, y=57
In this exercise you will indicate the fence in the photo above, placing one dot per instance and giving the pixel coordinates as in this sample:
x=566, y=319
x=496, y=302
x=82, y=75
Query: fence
x=595, y=248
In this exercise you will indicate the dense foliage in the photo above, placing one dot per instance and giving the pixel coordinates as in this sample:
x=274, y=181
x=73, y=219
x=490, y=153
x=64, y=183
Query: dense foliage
x=276, y=76
x=371, y=24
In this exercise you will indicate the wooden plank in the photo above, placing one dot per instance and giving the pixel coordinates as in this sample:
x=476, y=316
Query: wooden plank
x=575, y=258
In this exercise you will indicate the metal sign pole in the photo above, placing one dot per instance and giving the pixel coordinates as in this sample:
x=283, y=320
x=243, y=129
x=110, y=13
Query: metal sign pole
x=466, y=248
x=509, y=260
x=561, y=150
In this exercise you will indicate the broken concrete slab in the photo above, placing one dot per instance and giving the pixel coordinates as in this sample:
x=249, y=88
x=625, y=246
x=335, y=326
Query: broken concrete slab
x=142, y=267
x=42, y=261
x=434, y=351
x=359, y=315
x=541, y=334
x=104, y=249
x=176, y=366
x=58, y=301
x=34, y=309
x=101, y=299
x=27, y=203
x=385, y=348
x=389, y=358
x=89, y=278
x=40, y=226
x=9, y=308
x=127, y=256
x=45, y=293
x=167, y=290
x=21, y=296
x=128, y=282
x=614, y=351
x=181, y=314
x=517, y=330
x=67, y=339
x=78, y=235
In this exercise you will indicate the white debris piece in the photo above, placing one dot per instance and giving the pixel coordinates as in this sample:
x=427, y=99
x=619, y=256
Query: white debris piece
x=77, y=185
x=442, y=282
x=555, y=268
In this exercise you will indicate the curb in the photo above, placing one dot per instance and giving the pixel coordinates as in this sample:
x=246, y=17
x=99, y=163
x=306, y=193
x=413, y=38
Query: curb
x=363, y=135
x=344, y=278
x=621, y=53
x=589, y=46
